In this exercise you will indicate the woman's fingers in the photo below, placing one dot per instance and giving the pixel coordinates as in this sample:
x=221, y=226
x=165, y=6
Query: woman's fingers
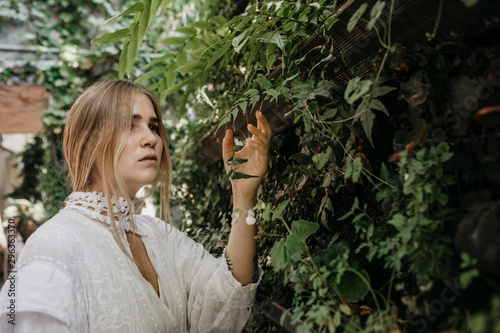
x=227, y=145
x=258, y=136
x=263, y=124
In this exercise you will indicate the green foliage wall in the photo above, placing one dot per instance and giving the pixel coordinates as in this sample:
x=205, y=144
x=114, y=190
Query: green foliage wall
x=363, y=216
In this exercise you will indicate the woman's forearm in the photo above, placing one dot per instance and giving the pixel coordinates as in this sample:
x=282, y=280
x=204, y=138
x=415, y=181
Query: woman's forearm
x=242, y=246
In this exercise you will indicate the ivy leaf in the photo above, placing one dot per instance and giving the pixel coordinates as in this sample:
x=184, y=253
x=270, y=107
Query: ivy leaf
x=353, y=170
x=356, y=88
x=254, y=100
x=181, y=58
x=151, y=73
x=219, y=21
x=158, y=60
x=381, y=91
x=278, y=211
x=375, y=14
x=376, y=104
x=263, y=82
x=189, y=68
x=122, y=63
x=345, y=309
x=239, y=41
x=191, y=32
x=113, y=37
x=304, y=229
x=320, y=160
x=356, y=16
x=132, y=49
x=202, y=25
x=224, y=120
x=241, y=175
x=302, y=158
x=367, y=123
x=170, y=76
x=275, y=38
x=286, y=252
x=351, y=286
x=266, y=214
x=175, y=41
x=238, y=160
x=217, y=54
x=178, y=86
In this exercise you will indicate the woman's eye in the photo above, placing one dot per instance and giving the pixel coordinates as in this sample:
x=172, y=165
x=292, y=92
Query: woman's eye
x=155, y=128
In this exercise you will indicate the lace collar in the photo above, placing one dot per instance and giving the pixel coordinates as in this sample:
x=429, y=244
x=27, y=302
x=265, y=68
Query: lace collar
x=95, y=206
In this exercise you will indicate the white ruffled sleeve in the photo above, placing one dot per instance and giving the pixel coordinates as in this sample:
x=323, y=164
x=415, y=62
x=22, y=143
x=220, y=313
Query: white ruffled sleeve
x=42, y=299
x=217, y=302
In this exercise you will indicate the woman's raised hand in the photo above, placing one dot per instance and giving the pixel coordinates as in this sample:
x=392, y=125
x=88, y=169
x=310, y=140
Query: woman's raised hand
x=255, y=151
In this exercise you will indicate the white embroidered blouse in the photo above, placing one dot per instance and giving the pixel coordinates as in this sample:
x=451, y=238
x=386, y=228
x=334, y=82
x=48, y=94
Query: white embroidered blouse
x=73, y=277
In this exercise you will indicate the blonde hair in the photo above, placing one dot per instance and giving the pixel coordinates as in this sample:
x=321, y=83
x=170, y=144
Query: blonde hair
x=96, y=133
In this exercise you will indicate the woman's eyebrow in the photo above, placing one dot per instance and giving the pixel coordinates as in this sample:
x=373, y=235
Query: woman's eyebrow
x=151, y=119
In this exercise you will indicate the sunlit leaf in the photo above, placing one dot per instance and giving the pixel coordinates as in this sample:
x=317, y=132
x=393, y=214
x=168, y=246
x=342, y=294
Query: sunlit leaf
x=113, y=37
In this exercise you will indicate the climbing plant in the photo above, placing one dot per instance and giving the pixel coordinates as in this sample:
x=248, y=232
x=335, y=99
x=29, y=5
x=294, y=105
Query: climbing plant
x=361, y=217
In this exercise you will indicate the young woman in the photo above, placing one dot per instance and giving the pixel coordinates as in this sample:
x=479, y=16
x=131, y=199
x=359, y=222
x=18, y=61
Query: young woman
x=97, y=267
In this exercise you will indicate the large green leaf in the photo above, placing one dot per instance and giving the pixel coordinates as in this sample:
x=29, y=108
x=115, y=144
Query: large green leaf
x=351, y=286
x=286, y=252
x=304, y=229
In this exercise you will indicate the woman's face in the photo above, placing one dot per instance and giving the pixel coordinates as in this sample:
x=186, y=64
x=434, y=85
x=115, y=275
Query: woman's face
x=139, y=162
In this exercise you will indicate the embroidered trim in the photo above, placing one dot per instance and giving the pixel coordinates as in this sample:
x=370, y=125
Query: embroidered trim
x=95, y=206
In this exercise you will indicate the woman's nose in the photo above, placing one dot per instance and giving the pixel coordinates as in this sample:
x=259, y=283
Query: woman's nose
x=148, y=138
